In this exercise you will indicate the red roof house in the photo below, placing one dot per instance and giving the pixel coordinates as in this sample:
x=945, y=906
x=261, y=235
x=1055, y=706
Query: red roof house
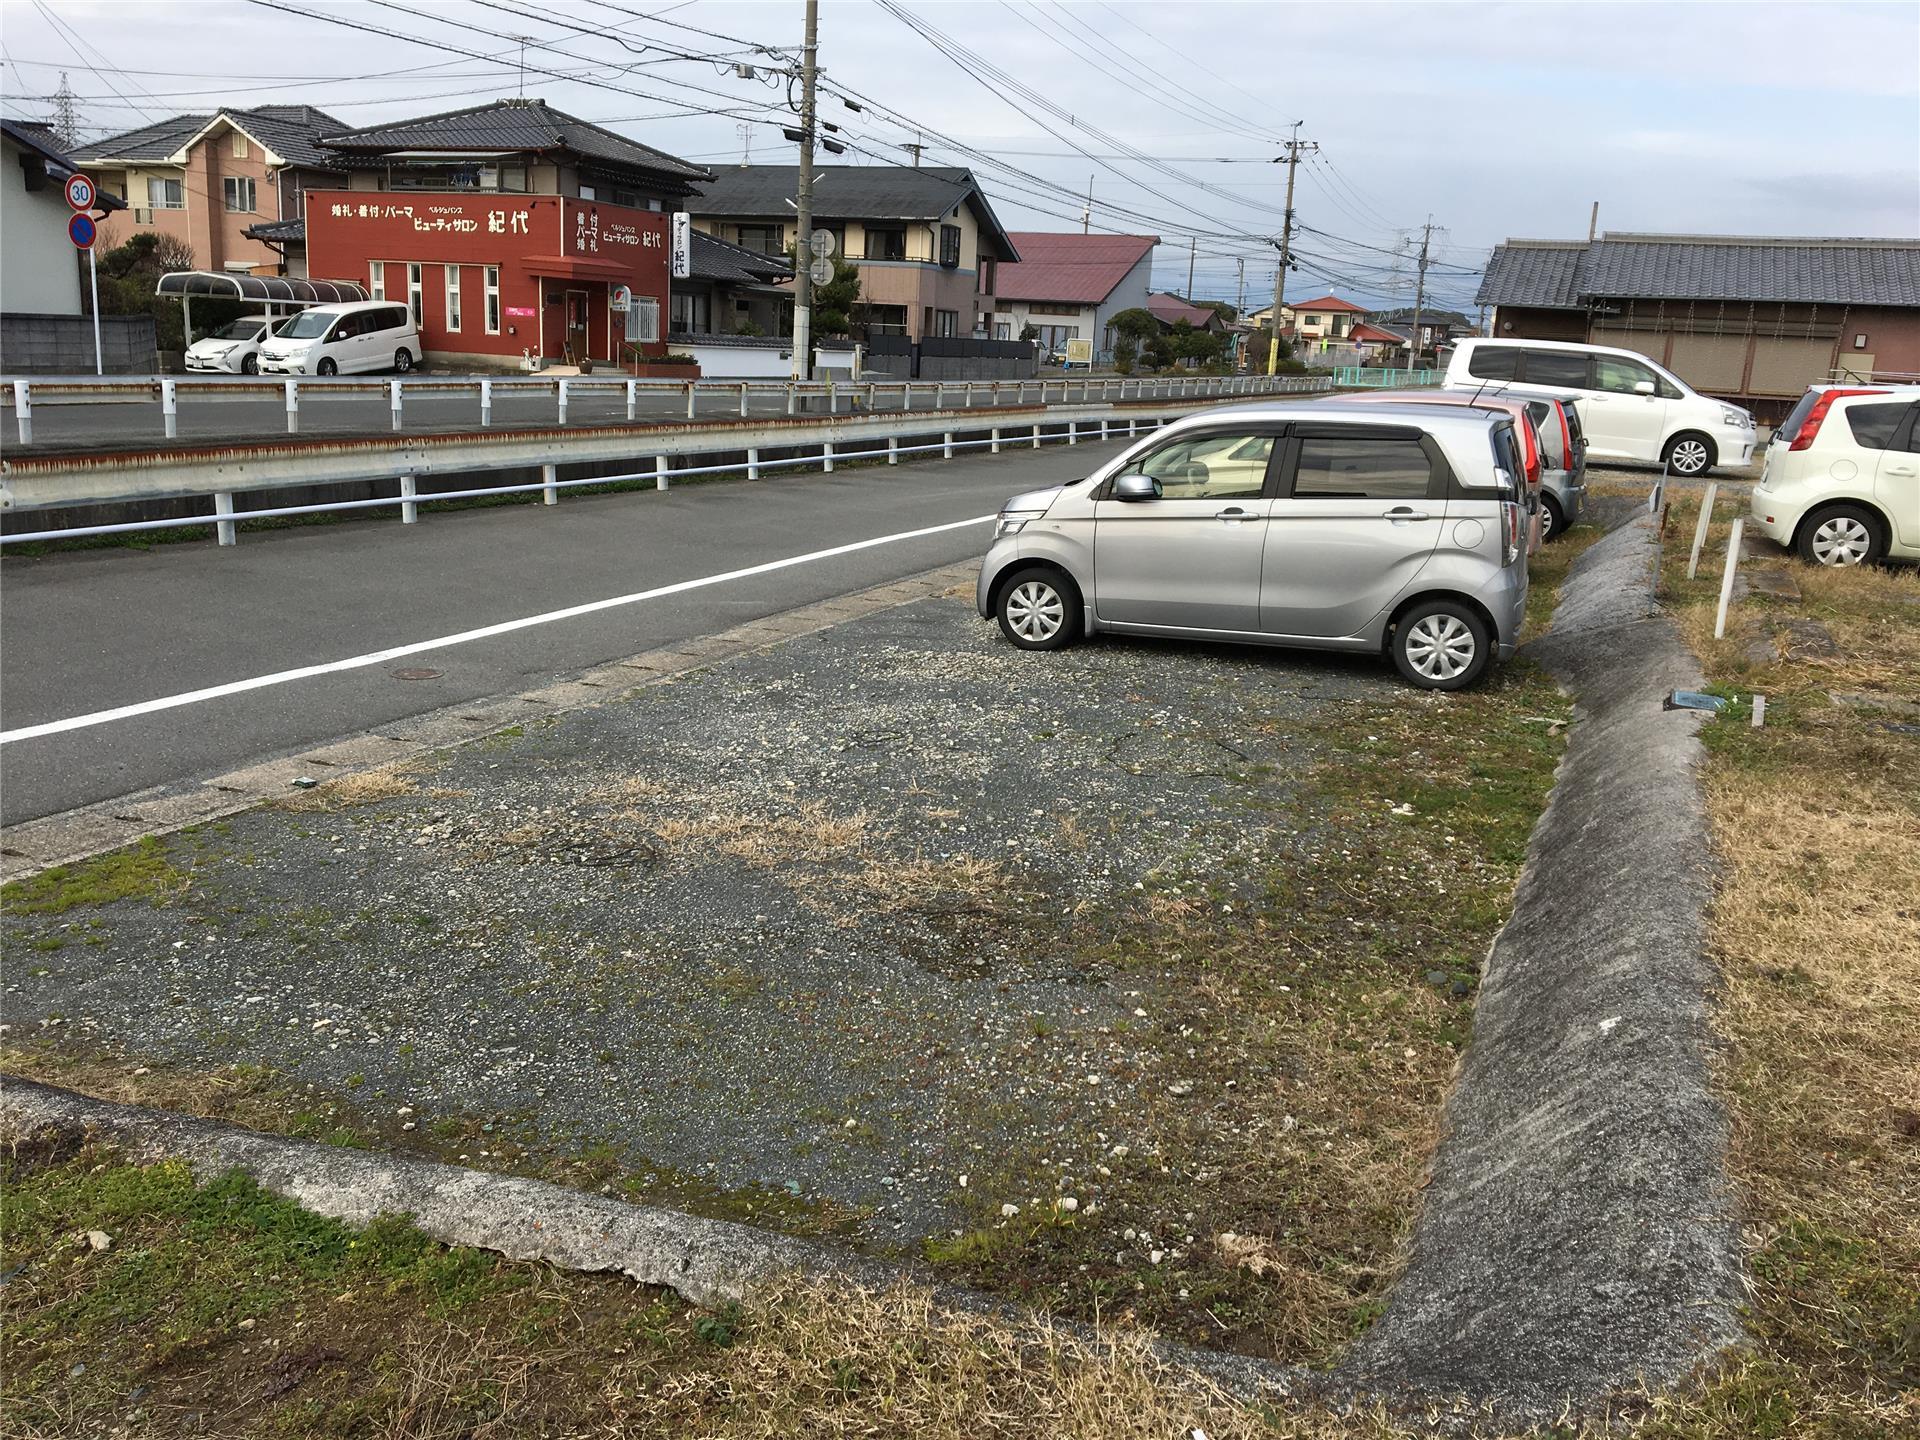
x=1069, y=286
x=1170, y=310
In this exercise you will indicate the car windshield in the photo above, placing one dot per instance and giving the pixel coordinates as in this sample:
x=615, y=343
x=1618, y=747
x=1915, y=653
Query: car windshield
x=306, y=325
x=238, y=330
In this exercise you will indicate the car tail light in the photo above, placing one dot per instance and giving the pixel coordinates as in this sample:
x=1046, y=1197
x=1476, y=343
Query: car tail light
x=1810, y=427
x=1566, y=435
x=1510, y=517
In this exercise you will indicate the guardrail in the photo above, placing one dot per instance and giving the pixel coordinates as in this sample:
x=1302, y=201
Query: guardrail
x=1362, y=377
x=721, y=396
x=53, y=482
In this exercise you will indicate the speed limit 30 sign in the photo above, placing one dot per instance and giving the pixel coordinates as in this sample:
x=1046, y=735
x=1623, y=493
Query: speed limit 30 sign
x=80, y=192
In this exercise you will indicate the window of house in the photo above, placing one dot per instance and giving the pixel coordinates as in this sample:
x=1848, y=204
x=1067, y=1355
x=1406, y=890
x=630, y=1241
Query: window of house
x=886, y=242
x=453, y=297
x=587, y=193
x=1002, y=330
x=761, y=239
x=945, y=322
x=377, y=279
x=493, y=299
x=643, y=320
x=1362, y=467
x=690, y=313
x=950, y=246
x=239, y=146
x=887, y=319
x=415, y=293
x=239, y=192
x=623, y=197
x=165, y=194
x=514, y=178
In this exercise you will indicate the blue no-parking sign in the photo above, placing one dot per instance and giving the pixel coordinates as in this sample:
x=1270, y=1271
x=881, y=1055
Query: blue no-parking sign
x=82, y=231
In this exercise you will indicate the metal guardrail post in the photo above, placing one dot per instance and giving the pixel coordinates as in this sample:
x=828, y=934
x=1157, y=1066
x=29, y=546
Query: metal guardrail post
x=1073, y=432
x=486, y=402
x=633, y=397
x=826, y=456
x=223, y=528
x=690, y=390
x=792, y=393
x=409, y=512
x=1103, y=429
x=562, y=389
x=966, y=400
x=753, y=463
x=1130, y=428
x=293, y=406
x=23, y=411
x=170, y=408
x=872, y=392
x=743, y=399
x=939, y=394
x=549, y=491
x=393, y=392
x=659, y=472
x=1036, y=437
x=946, y=446
x=996, y=441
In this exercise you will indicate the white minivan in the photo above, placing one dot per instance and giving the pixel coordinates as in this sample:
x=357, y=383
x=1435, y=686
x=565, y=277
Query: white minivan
x=342, y=339
x=1630, y=408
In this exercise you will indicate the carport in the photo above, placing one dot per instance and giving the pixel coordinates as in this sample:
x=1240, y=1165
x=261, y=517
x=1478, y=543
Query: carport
x=275, y=292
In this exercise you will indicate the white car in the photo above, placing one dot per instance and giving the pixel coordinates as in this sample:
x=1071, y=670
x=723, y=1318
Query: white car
x=1842, y=477
x=341, y=339
x=1630, y=408
x=232, y=349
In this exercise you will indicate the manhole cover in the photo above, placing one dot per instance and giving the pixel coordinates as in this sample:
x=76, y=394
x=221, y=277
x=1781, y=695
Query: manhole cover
x=416, y=674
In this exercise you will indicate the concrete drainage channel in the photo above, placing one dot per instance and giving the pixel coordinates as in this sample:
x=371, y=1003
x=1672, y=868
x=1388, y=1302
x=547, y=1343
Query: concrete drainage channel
x=1578, y=1241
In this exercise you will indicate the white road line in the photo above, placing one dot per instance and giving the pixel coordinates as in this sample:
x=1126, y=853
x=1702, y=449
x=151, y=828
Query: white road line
x=463, y=637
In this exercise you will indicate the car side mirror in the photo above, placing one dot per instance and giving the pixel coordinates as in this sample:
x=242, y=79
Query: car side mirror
x=1643, y=387
x=1136, y=487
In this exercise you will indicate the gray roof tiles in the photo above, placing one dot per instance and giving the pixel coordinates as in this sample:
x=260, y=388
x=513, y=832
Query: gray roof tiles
x=850, y=192
x=721, y=260
x=1566, y=275
x=290, y=131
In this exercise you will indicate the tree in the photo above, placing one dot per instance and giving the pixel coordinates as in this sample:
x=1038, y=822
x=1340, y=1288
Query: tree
x=1227, y=313
x=130, y=272
x=1029, y=332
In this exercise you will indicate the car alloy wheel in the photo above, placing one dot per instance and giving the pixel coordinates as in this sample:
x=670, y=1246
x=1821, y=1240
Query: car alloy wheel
x=402, y=361
x=1689, y=456
x=326, y=367
x=250, y=365
x=1842, y=540
x=1550, y=522
x=1036, y=611
x=1440, y=647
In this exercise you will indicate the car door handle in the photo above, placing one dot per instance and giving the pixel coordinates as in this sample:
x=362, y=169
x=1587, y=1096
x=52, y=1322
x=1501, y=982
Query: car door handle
x=1403, y=513
x=1233, y=515
x=1902, y=470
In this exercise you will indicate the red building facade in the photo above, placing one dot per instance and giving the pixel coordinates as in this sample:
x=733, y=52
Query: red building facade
x=495, y=277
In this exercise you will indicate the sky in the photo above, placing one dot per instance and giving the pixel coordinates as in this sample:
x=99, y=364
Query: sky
x=1488, y=121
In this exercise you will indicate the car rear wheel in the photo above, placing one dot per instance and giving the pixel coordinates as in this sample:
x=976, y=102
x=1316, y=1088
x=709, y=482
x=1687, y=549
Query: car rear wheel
x=402, y=361
x=1442, y=645
x=1841, y=535
x=1690, y=453
x=326, y=367
x=1038, y=610
x=1552, y=522
x=250, y=364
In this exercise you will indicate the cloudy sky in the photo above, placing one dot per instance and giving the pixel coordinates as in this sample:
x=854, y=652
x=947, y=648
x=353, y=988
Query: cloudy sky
x=1493, y=120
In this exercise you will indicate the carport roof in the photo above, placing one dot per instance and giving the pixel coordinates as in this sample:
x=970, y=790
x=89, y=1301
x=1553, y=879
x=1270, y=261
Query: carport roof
x=230, y=285
x=1565, y=275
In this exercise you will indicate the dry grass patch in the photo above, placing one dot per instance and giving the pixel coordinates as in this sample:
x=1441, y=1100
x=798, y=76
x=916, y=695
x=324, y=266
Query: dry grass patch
x=364, y=787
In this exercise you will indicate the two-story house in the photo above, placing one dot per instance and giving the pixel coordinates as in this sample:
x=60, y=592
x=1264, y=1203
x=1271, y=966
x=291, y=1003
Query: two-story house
x=926, y=241
x=1068, y=286
x=206, y=180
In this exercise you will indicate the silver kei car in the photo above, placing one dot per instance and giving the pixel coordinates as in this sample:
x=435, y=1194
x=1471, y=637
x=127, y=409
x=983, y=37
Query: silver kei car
x=1383, y=528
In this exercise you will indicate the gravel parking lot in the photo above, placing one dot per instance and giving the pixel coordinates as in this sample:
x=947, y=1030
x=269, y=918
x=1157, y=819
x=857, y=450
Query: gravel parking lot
x=1130, y=976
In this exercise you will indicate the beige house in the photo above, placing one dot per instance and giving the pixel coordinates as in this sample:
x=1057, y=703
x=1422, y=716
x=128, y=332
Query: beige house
x=207, y=179
x=926, y=242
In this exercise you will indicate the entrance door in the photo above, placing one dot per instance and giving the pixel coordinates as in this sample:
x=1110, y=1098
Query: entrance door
x=576, y=325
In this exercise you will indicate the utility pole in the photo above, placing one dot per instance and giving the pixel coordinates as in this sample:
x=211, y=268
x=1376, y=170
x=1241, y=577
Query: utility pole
x=1086, y=215
x=1193, y=249
x=1240, y=289
x=914, y=148
x=1419, y=297
x=1593, y=215
x=803, y=204
x=1296, y=147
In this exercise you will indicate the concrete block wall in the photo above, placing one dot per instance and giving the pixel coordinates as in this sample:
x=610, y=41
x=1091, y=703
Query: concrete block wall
x=63, y=344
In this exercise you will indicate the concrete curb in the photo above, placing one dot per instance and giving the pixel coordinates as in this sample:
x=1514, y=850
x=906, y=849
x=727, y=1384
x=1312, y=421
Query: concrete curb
x=36, y=845
x=1579, y=1240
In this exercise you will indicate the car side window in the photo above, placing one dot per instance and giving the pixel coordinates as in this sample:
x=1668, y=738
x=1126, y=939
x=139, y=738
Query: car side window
x=344, y=328
x=398, y=317
x=1557, y=367
x=1211, y=467
x=1362, y=467
x=1618, y=376
x=1913, y=431
x=1491, y=362
x=1873, y=425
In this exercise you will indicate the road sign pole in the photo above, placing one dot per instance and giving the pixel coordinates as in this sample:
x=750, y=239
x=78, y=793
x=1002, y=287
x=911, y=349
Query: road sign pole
x=93, y=278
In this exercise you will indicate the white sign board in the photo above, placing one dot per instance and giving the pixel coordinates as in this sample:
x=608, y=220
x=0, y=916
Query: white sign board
x=822, y=271
x=822, y=243
x=1080, y=352
x=619, y=299
x=681, y=254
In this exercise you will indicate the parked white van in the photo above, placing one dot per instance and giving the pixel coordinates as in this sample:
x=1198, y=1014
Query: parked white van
x=342, y=339
x=1630, y=408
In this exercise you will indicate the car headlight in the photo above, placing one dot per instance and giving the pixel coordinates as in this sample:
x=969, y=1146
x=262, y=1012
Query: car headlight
x=1012, y=522
x=1738, y=419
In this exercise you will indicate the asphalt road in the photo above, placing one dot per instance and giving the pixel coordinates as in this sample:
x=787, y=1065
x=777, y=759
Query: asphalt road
x=62, y=425
x=86, y=631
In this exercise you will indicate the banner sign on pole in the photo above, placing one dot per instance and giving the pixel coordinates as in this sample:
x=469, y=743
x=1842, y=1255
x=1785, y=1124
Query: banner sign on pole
x=681, y=253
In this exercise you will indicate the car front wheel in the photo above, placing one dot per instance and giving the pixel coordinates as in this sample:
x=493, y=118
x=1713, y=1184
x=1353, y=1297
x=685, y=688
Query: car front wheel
x=326, y=367
x=250, y=364
x=1690, y=455
x=1442, y=645
x=1841, y=535
x=1038, y=610
x=402, y=361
